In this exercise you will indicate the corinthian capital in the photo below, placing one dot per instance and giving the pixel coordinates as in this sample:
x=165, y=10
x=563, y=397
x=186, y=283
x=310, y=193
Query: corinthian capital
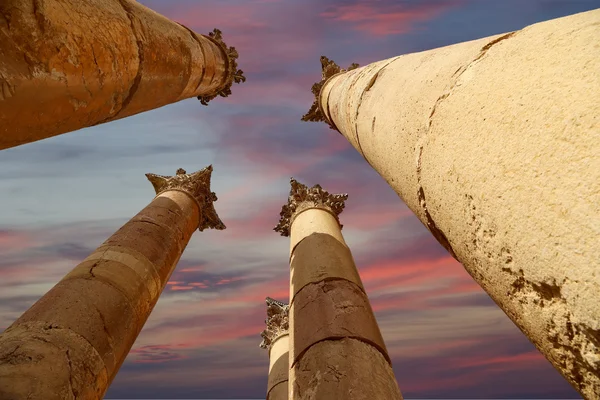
x=233, y=73
x=302, y=197
x=328, y=69
x=197, y=186
x=277, y=322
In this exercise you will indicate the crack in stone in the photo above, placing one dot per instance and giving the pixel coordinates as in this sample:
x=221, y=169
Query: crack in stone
x=39, y=17
x=71, y=386
x=195, y=38
x=433, y=228
x=369, y=86
x=7, y=356
x=138, y=77
x=325, y=280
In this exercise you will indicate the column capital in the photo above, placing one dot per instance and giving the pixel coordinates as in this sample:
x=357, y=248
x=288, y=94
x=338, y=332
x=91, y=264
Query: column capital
x=302, y=198
x=233, y=74
x=328, y=69
x=277, y=322
x=197, y=186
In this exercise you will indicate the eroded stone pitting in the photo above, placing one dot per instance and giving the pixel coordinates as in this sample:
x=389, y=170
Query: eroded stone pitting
x=568, y=338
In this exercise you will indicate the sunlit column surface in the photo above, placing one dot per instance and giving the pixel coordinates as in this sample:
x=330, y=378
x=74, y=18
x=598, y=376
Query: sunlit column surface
x=336, y=348
x=276, y=340
x=72, y=342
x=494, y=144
x=70, y=64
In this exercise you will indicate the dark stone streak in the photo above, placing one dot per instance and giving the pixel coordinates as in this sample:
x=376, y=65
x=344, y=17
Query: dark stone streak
x=433, y=228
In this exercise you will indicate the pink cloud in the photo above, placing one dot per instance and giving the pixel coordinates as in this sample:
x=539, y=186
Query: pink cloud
x=14, y=241
x=381, y=19
x=176, y=288
x=153, y=354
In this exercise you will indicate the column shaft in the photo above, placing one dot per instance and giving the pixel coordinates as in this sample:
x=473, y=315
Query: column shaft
x=494, y=145
x=279, y=366
x=336, y=349
x=71, y=343
x=70, y=64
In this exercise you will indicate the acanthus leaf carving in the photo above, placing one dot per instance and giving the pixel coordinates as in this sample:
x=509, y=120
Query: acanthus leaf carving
x=328, y=69
x=233, y=74
x=302, y=197
x=197, y=186
x=277, y=322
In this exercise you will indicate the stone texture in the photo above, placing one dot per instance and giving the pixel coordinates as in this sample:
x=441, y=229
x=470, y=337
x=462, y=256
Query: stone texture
x=345, y=369
x=493, y=144
x=332, y=309
x=61, y=69
x=103, y=316
x=318, y=257
x=50, y=362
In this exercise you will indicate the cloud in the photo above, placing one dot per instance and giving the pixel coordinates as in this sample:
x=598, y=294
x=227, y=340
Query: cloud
x=385, y=18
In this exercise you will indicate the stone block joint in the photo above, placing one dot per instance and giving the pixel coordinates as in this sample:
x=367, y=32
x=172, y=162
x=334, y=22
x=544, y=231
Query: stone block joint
x=233, y=74
x=277, y=322
x=197, y=186
x=328, y=69
x=302, y=197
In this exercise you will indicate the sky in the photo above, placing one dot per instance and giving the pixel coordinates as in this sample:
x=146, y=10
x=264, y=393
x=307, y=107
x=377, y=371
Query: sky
x=63, y=196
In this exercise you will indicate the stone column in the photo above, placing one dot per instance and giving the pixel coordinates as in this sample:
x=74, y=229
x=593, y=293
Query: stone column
x=494, y=145
x=71, y=343
x=70, y=64
x=276, y=339
x=336, y=348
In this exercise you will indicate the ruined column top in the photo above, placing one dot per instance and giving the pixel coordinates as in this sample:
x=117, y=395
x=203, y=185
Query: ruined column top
x=233, y=74
x=328, y=69
x=277, y=322
x=197, y=186
x=302, y=198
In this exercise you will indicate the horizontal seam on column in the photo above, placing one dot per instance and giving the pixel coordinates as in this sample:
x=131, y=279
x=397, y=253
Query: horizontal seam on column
x=153, y=272
x=296, y=245
x=107, y=283
x=149, y=220
x=274, y=386
x=310, y=208
x=327, y=279
x=338, y=338
x=187, y=194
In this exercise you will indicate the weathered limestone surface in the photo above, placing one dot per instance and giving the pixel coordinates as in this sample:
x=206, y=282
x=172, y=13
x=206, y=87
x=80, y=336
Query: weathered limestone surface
x=70, y=64
x=344, y=369
x=71, y=343
x=494, y=145
x=335, y=343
